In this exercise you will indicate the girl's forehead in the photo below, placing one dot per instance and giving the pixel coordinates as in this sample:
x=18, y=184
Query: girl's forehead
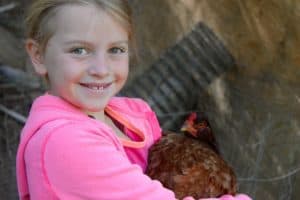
x=87, y=21
x=72, y=15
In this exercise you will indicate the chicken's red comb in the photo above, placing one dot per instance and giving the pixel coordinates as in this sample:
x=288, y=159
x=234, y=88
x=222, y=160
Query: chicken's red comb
x=192, y=116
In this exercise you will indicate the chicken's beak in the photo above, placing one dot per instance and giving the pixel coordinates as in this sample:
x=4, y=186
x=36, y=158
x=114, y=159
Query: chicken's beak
x=189, y=129
x=184, y=128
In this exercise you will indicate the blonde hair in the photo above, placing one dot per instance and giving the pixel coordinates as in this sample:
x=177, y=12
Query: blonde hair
x=38, y=20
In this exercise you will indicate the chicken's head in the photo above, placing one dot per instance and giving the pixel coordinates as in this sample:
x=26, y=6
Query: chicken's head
x=197, y=126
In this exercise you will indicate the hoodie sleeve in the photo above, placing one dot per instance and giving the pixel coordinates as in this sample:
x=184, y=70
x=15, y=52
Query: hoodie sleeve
x=79, y=164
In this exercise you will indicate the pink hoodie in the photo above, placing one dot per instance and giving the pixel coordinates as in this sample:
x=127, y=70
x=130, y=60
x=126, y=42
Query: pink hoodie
x=64, y=154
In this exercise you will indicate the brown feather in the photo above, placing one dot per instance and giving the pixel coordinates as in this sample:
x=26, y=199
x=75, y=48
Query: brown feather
x=190, y=167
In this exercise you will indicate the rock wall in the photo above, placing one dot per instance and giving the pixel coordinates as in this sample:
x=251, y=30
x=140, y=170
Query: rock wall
x=261, y=34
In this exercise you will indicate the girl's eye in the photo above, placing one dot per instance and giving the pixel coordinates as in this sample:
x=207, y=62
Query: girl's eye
x=117, y=50
x=79, y=51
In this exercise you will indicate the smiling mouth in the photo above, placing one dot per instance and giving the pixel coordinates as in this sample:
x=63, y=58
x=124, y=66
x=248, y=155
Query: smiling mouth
x=96, y=86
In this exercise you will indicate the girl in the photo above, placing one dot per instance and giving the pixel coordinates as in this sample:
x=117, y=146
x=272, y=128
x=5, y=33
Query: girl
x=80, y=142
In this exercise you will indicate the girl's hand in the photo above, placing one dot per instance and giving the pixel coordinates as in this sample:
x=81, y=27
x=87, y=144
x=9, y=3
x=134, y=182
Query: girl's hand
x=229, y=197
x=188, y=198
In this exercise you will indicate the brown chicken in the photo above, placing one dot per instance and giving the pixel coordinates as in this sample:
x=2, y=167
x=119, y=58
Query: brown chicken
x=189, y=162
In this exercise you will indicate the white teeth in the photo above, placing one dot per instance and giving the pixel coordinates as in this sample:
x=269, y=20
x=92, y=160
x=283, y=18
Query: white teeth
x=97, y=88
x=101, y=88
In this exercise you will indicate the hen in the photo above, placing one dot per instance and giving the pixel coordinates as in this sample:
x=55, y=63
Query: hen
x=189, y=162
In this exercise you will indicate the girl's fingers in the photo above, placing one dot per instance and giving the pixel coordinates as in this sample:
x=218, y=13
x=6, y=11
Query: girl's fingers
x=237, y=197
x=188, y=198
x=242, y=197
x=230, y=197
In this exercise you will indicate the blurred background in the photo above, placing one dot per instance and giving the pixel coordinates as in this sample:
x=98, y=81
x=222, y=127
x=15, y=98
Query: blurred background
x=254, y=106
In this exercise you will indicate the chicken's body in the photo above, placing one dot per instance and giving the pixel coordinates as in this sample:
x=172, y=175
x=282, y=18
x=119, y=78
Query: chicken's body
x=190, y=166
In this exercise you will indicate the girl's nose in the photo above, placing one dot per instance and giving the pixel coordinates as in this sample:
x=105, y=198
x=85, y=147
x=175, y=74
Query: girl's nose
x=99, y=66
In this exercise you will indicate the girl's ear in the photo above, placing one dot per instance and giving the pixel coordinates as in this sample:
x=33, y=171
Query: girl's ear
x=33, y=50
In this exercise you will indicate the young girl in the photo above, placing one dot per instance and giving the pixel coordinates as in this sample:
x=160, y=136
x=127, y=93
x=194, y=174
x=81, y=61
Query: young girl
x=80, y=142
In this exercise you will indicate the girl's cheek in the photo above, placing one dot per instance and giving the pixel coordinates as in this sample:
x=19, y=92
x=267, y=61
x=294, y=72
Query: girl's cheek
x=120, y=65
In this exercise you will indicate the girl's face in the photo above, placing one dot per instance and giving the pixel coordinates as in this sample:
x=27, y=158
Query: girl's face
x=86, y=59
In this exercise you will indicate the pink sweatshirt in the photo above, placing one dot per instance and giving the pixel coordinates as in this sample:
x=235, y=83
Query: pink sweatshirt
x=64, y=154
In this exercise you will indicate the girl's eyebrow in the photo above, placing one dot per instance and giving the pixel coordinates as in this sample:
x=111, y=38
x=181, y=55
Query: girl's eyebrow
x=121, y=42
x=77, y=42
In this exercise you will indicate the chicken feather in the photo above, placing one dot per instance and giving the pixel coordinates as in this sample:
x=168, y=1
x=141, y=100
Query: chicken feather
x=189, y=162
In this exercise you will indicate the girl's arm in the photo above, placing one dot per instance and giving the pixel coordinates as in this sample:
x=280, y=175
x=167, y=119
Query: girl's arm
x=80, y=165
x=84, y=165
